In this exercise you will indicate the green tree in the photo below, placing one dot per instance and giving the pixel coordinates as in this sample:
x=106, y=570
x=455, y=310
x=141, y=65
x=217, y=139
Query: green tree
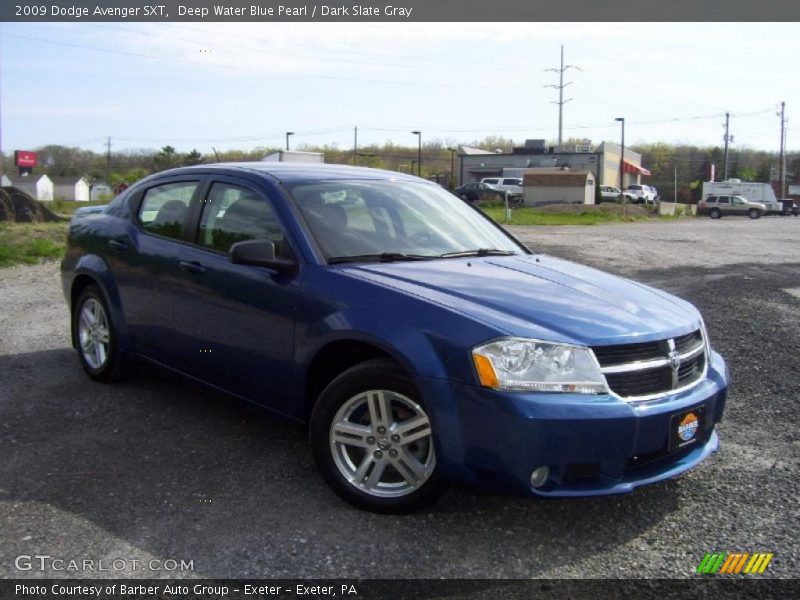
x=193, y=158
x=166, y=158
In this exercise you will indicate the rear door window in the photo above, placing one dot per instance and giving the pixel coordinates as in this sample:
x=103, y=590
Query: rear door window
x=723, y=200
x=165, y=208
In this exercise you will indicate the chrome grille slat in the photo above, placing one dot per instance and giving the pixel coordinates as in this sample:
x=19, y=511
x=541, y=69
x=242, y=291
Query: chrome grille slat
x=644, y=371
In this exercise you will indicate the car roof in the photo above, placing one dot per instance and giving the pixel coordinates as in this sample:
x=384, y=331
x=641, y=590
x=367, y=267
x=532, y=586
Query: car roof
x=293, y=172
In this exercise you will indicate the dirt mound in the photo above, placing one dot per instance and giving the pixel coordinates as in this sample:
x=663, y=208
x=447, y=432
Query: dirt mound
x=17, y=206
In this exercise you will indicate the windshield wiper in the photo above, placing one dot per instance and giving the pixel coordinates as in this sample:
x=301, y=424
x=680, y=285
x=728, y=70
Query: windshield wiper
x=382, y=257
x=478, y=252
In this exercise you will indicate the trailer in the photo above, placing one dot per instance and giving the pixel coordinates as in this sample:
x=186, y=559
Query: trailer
x=295, y=156
x=750, y=190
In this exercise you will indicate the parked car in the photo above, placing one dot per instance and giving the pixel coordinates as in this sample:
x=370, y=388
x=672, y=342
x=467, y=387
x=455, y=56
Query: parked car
x=476, y=190
x=419, y=341
x=789, y=207
x=512, y=185
x=639, y=194
x=718, y=206
x=89, y=210
x=609, y=193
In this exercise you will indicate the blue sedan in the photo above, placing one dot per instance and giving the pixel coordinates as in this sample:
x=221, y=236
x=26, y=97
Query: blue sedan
x=419, y=342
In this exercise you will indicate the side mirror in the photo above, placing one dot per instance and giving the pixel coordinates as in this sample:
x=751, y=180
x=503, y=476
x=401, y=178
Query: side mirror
x=260, y=253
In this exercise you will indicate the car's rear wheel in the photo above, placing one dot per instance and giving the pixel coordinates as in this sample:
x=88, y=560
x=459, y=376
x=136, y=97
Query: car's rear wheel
x=95, y=336
x=714, y=213
x=754, y=213
x=372, y=440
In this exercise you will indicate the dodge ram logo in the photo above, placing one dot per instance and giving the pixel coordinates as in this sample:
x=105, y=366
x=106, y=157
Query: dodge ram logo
x=674, y=360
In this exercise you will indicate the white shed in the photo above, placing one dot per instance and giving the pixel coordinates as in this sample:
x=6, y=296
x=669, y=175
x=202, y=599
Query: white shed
x=71, y=188
x=557, y=186
x=100, y=190
x=40, y=187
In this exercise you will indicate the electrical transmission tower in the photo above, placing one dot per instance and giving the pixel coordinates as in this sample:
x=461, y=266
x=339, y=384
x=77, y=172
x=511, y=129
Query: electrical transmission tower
x=560, y=87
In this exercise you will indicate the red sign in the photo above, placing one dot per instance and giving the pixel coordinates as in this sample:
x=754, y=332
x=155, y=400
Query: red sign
x=24, y=158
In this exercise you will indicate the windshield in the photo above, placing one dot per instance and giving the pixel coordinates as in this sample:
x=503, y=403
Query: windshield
x=394, y=220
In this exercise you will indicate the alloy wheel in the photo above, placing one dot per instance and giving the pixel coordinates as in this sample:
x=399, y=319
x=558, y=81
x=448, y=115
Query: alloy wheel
x=93, y=333
x=382, y=443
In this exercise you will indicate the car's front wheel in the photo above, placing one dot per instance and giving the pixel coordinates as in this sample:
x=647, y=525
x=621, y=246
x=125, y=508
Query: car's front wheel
x=754, y=213
x=372, y=440
x=95, y=337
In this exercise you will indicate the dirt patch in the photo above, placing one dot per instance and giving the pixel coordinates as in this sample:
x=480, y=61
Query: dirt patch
x=18, y=207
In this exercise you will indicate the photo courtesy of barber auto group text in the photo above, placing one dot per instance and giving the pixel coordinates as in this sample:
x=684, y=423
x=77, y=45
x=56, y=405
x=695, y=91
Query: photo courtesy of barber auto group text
x=399, y=300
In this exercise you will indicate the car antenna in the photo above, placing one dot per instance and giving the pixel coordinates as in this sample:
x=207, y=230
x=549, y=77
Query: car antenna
x=215, y=154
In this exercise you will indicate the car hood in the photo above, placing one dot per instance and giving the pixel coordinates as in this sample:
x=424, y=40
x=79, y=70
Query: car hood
x=535, y=295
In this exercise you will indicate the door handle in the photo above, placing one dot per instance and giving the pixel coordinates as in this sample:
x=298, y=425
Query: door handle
x=191, y=267
x=117, y=245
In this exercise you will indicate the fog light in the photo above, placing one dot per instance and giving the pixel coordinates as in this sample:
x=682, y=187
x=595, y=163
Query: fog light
x=539, y=477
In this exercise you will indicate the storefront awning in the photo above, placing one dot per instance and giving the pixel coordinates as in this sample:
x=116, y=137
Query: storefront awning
x=634, y=169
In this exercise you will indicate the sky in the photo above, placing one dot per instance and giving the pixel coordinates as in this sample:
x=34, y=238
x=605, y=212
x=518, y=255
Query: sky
x=232, y=85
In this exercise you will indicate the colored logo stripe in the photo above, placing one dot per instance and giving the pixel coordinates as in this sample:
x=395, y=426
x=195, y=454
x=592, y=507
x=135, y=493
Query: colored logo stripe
x=734, y=563
x=758, y=564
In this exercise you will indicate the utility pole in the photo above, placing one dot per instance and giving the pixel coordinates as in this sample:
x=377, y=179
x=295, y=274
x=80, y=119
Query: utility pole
x=355, y=144
x=728, y=138
x=675, y=182
x=782, y=165
x=560, y=87
x=108, y=161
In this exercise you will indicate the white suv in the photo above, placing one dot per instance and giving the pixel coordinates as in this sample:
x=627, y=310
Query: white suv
x=640, y=194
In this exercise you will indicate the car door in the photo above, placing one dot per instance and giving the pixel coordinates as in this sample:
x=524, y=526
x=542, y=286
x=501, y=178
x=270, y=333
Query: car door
x=738, y=205
x=234, y=324
x=724, y=205
x=144, y=262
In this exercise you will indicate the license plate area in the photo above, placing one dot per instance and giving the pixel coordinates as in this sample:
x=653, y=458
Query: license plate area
x=686, y=428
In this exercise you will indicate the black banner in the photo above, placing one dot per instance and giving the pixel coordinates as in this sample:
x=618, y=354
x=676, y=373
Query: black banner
x=718, y=588
x=400, y=10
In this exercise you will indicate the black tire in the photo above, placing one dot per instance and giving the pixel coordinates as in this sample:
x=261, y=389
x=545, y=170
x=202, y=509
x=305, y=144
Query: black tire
x=112, y=366
x=754, y=213
x=714, y=213
x=349, y=390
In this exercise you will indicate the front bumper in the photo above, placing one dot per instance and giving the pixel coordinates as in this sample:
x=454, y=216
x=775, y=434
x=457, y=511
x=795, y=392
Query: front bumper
x=592, y=444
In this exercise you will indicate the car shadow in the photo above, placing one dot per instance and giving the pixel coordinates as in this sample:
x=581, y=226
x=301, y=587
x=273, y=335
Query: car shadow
x=154, y=467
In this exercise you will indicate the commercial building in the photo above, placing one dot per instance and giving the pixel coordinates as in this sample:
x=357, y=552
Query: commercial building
x=603, y=162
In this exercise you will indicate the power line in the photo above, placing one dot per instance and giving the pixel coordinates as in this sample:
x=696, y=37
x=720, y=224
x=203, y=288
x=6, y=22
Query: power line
x=234, y=66
x=427, y=64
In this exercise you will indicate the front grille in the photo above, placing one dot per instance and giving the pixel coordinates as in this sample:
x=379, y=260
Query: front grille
x=691, y=369
x=641, y=383
x=684, y=343
x=646, y=369
x=627, y=353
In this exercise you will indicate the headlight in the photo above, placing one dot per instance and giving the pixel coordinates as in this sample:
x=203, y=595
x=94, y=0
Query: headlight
x=531, y=365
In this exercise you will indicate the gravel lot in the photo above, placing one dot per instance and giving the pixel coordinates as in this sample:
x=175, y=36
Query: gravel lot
x=154, y=469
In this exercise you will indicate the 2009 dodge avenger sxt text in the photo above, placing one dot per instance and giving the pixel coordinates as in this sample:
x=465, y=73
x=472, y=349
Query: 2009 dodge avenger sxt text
x=420, y=342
